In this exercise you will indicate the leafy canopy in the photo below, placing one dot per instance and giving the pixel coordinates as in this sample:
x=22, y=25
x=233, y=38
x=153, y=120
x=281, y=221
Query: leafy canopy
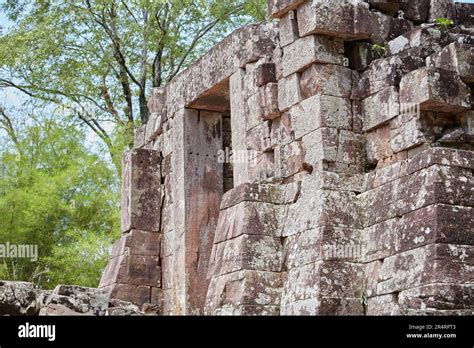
x=98, y=59
x=55, y=194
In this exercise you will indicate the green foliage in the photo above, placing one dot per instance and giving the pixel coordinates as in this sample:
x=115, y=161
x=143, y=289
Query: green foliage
x=379, y=50
x=99, y=59
x=58, y=195
x=444, y=23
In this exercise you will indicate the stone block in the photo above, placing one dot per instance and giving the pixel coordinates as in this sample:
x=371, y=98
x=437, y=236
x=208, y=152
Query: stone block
x=320, y=111
x=418, y=11
x=251, y=252
x=141, y=191
x=389, y=7
x=157, y=101
x=330, y=17
x=288, y=28
x=383, y=73
x=309, y=50
x=278, y=8
x=140, y=136
x=249, y=218
x=136, y=294
x=265, y=73
x=438, y=297
x=243, y=288
x=326, y=79
x=281, y=132
x=269, y=101
x=435, y=263
x=456, y=57
x=380, y=108
x=289, y=92
x=288, y=160
x=262, y=167
x=435, y=90
x=378, y=144
x=421, y=42
x=320, y=145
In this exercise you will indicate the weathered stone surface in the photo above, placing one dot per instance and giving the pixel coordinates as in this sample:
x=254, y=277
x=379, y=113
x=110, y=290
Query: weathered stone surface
x=289, y=92
x=320, y=111
x=350, y=20
x=456, y=57
x=417, y=11
x=265, y=73
x=435, y=90
x=277, y=8
x=389, y=7
x=250, y=218
x=223, y=60
x=244, y=288
x=289, y=160
x=380, y=108
x=269, y=101
x=311, y=49
x=288, y=28
x=384, y=73
x=438, y=296
x=420, y=42
x=438, y=263
x=326, y=79
x=141, y=191
x=18, y=298
x=252, y=252
x=258, y=192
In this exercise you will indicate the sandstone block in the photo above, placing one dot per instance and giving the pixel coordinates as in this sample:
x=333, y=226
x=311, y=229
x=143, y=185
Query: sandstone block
x=277, y=8
x=420, y=42
x=456, y=57
x=309, y=50
x=245, y=288
x=251, y=252
x=438, y=296
x=259, y=192
x=388, y=7
x=383, y=73
x=141, y=191
x=326, y=79
x=249, y=218
x=320, y=111
x=333, y=18
x=380, y=108
x=281, y=132
x=436, y=263
x=288, y=159
x=435, y=90
x=269, y=101
x=265, y=73
x=288, y=28
x=289, y=92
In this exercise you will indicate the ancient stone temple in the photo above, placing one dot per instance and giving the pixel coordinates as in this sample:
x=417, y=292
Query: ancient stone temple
x=318, y=164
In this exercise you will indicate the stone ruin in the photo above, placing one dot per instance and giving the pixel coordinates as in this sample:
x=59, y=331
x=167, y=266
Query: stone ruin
x=350, y=188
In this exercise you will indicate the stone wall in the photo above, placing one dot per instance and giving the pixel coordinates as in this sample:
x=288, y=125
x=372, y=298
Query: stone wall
x=350, y=190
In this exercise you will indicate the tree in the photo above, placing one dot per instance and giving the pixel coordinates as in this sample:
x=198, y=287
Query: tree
x=56, y=194
x=98, y=59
